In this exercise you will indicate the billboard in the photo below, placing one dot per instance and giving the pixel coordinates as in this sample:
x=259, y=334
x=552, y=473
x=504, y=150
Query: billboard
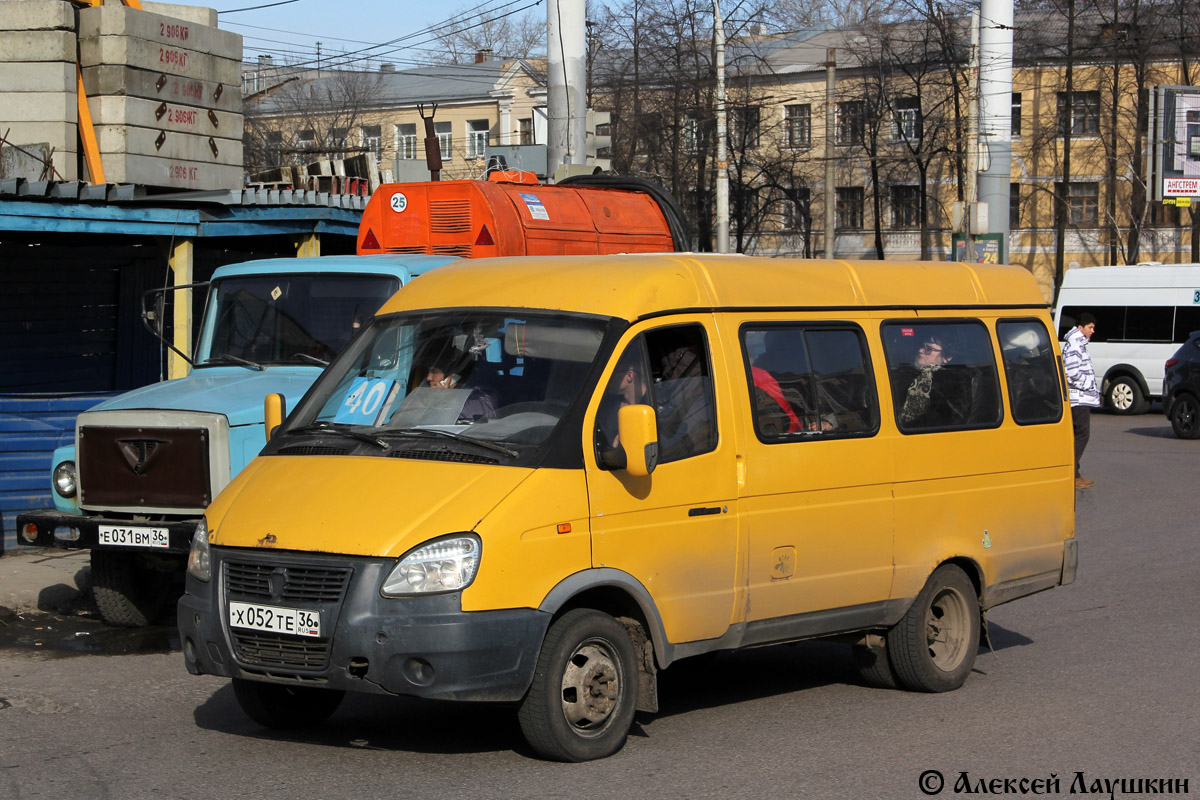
x=1176, y=144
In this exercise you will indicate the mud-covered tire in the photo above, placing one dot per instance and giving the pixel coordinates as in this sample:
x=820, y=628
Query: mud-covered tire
x=1185, y=417
x=1125, y=396
x=283, y=707
x=584, y=691
x=128, y=594
x=933, y=647
x=874, y=667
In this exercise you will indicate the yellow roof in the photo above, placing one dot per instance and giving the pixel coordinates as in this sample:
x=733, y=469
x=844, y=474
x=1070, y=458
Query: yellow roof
x=633, y=286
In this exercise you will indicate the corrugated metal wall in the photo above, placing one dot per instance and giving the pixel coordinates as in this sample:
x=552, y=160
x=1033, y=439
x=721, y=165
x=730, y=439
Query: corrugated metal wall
x=31, y=426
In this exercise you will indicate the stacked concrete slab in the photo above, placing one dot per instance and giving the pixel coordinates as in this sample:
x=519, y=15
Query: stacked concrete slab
x=163, y=86
x=165, y=98
x=38, y=110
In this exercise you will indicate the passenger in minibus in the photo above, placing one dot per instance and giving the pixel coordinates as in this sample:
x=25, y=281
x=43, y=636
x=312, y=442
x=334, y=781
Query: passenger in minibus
x=932, y=356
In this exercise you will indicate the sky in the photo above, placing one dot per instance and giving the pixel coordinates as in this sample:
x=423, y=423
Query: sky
x=290, y=29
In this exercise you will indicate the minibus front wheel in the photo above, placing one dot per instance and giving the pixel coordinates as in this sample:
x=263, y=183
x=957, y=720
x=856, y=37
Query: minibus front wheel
x=584, y=690
x=933, y=647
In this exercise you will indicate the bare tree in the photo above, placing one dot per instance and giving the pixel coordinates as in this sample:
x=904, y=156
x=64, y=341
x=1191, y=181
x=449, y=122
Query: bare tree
x=305, y=118
x=503, y=35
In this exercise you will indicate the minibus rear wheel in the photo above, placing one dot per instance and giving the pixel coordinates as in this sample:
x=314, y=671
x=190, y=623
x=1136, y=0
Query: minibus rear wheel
x=933, y=647
x=283, y=707
x=584, y=690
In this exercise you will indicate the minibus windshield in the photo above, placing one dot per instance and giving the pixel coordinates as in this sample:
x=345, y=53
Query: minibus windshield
x=486, y=382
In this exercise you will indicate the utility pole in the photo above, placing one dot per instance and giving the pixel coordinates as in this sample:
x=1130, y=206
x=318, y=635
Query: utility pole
x=830, y=114
x=971, y=196
x=995, y=111
x=722, y=139
x=566, y=75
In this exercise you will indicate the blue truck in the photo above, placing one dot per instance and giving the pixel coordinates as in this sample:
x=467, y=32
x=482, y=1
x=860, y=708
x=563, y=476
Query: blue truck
x=146, y=464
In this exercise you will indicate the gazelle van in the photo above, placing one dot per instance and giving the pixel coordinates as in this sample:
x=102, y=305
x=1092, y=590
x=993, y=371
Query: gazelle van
x=542, y=481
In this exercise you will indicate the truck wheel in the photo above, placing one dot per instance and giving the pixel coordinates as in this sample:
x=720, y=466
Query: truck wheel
x=275, y=705
x=128, y=594
x=933, y=647
x=874, y=668
x=1125, y=396
x=1185, y=417
x=584, y=690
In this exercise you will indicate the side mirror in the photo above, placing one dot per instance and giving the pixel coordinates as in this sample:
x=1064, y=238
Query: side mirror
x=273, y=413
x=638, y=428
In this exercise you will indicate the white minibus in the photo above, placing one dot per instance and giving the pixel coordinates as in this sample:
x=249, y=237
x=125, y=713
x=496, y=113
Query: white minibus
x=1143, y=313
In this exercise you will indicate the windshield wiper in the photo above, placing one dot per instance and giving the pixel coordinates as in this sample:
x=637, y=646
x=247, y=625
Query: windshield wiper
x=326, y=427
x=461, y=437
x=227, y=358
x=311, y=359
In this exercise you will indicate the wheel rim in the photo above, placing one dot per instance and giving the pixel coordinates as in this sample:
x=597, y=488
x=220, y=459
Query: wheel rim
x=947, y=626
x=591, y=687
x=1185, y=416
x=1122, y=396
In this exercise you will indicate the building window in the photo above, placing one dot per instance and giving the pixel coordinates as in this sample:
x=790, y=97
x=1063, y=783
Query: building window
x=906, y=120
x=1015, y=124
x=406, y=141
x=850, y=208
x=1084, y=114
x=797, y=126
x=526, y=130
x=745, y=127
x=338, y=140
x=306, y=141
x=1083, y=202
x=477, y=138
x=1014, y=205
x=797, y=215
x=691, y=133
x=906, y=206
x=851, y=122
x=275, y=147
x=372, y=139
x=444, y=131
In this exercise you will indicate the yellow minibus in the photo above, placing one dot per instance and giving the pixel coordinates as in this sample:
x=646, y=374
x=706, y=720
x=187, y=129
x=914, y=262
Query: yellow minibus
x=541, y=481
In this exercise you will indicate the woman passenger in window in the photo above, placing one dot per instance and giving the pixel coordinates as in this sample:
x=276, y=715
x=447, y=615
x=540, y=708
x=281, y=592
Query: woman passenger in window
x=933, y=355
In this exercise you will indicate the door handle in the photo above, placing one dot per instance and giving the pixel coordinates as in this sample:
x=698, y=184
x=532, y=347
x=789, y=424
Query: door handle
x=704, y=512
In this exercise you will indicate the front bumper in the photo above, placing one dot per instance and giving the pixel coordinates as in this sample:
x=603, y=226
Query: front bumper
x=424, y=646
x=179, y=532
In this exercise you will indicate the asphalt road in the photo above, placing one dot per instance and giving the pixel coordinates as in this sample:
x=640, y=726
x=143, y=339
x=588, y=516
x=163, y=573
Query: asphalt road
x=1092, y=682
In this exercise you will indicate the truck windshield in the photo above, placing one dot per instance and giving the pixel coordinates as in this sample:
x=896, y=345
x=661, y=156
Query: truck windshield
x=456, y=379
x=288, y=319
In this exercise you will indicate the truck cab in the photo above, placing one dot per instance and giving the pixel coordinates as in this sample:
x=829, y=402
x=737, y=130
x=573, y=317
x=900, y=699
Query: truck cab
x=146, y=464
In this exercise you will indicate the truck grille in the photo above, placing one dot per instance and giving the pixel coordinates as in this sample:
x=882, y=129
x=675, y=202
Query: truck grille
x=133, y=466
x=450, y=216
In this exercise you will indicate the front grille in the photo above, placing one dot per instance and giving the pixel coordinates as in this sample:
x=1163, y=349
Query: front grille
x=305, y=584
x=311, y=450
x=443, y=455
x=136, y=466
x=450, y=216
x=275, y=650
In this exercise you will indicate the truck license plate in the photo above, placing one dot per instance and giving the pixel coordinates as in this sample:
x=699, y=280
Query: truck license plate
x=134, y=537
x=296, y=621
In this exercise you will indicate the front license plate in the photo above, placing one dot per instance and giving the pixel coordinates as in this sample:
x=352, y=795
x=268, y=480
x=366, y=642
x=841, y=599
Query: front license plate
x=134, y=537
x=296, y=621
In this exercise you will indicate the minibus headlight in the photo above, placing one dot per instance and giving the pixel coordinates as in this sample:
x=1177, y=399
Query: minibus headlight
x=444, y=565
x=64, y=479
x=200, y=557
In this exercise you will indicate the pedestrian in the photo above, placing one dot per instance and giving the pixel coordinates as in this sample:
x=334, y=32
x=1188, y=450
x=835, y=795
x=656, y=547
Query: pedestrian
x=1081, y=382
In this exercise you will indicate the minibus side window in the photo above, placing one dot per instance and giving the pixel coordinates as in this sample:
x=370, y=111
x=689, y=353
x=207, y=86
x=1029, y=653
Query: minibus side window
x=1034, y=393
x=809, y=382
x=943, y=376
x=668, y=369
